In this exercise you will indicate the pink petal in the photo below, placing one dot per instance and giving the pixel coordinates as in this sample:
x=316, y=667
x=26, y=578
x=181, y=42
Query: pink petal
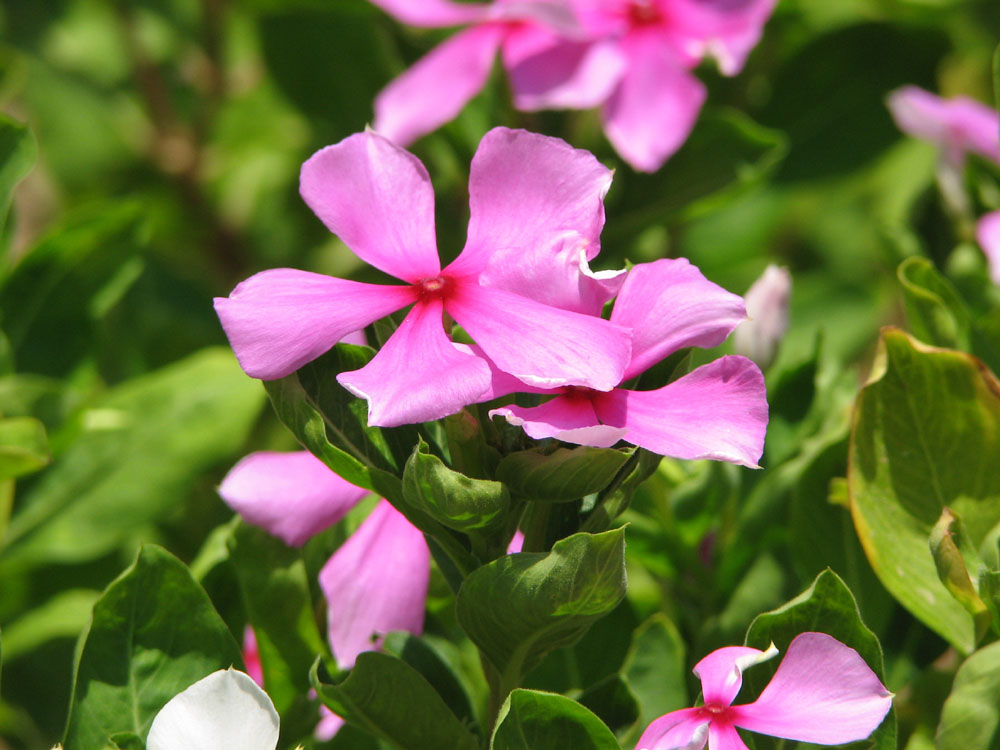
x=988, y=234
x=767, y=309
x=516, y=543
x=375, y=582
x=526, y=14
x=328, y=726
x=433, y=13
x=957, y=125
x=722, y=29
x=280, y=319
x=543, y=346
x=436, y=88
x=293, y=496
x=527, y=190
x=567, y=74
x=418, y=375
x=718, y=411
x=655, y=106
x=677, y=730
x=722, y=736
x=569, y=419
x=378, y=199
x=721, y=672
x=823, y=692
x=559, y=275
x=670, y=305
x=501, y=383
x=251, y=656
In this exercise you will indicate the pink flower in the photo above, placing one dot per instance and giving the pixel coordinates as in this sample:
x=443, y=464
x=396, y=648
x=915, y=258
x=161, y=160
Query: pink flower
x=958, y=126
x=717, y=411
x=767, y=310
x=988, y=234
x=251, y=656
x=530, y=197
x=374, y=583
x=636, y=65
x=437, y=87
x=823, y=693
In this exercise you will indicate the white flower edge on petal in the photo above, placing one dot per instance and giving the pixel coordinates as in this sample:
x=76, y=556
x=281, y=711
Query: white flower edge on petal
x=226, y=709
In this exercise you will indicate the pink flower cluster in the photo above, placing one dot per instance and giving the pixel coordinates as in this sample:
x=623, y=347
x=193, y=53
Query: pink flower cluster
x=522, y=289
x=631, y=58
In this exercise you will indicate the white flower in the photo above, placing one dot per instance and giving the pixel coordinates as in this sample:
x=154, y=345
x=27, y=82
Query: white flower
x=224, y=711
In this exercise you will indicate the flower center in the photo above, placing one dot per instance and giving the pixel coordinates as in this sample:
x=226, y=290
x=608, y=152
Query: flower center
x=643, y=13
x=434, y=287
x=713, y=712
x=578, y=393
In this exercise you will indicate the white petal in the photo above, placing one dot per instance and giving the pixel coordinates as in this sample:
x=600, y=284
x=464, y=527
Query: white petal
x=224, y=711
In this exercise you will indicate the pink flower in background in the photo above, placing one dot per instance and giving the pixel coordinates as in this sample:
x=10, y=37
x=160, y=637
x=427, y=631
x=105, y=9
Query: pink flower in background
x=717, y=411
x=438, y=86
x=767, y=312
x=823, y=693
x=958, y=126
x=635, y=63
x=988, y=234
x=534, y=201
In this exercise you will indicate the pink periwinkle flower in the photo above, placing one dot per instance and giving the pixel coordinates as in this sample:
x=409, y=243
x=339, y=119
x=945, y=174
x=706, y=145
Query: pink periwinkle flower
x=823, y=693
x=536, y=217
x=436, y=88
x=988, y=234
x=635, y=63
x=251, y=656
x=717, y=411
x=767, y=312
x=958, y=126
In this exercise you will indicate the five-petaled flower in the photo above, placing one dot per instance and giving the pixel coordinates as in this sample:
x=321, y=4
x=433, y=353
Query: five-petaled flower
x=823, y=693
x=531, y=197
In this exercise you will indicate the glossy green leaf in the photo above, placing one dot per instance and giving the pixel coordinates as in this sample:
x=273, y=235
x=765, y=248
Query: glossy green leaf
x=615, y=498
x=519, y=607
x=925, y=436
x=17, y=156
x=275, y=592
x=936, y=313
x=532, y=720
x=385, y=696
x=655, y=670
x=451, y=498
x=970, y=719
x=562, y=474
x=149, y=438
x=154, y=632
x=827, y=606
x=24, y=447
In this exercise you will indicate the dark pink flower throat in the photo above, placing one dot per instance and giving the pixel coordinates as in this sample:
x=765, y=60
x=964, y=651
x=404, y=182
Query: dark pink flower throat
x=434, y=287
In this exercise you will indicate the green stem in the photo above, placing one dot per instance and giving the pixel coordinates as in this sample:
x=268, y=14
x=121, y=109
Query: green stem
x=535, y=526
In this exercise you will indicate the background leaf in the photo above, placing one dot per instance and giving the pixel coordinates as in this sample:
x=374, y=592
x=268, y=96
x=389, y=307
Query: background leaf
x=971, y=716
x=532, y=720
x=154, y=632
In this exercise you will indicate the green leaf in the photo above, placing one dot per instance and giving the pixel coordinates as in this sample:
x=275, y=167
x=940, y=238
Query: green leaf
x=390, y=699
x=450, y=498
x=827, y=606
x=615, y=498
x=936, y=313
x=24, y=447
x=275, y=592
x=154, y=632
x=655, y=670
x=520, y=607
x=333, y=424
x=532, y=720
x=953, y=558
x=560, y=475
x=996, y=79
x=147, y=440
x=970, y=719
x=926, y=434
x=17, y=157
